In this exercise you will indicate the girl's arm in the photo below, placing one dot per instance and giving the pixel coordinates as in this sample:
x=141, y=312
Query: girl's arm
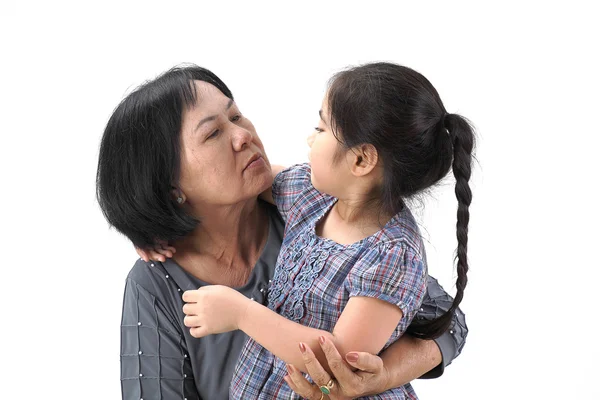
x=267, y=195
x=366, y=324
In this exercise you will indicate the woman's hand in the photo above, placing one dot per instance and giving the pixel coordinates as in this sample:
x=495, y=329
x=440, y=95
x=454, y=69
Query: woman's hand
x=371, y=376
x=160, y=252
x=213, y=309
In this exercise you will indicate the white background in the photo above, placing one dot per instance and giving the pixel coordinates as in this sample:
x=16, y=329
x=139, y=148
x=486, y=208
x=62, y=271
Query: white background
x=525, y=73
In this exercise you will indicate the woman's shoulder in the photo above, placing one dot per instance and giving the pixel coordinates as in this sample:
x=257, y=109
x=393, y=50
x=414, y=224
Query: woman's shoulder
x=151, y=277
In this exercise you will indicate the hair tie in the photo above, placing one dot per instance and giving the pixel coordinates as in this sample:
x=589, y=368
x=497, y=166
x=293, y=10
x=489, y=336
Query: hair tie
x=444, y=120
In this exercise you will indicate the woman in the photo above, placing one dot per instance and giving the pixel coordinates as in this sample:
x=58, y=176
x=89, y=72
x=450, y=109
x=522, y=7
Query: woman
x=179, y=163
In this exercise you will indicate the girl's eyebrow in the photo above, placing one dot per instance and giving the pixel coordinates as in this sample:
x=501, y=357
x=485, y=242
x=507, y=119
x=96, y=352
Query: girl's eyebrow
x=321, y=116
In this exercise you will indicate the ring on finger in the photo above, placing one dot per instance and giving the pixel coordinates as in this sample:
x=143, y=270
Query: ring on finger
x=326, y=389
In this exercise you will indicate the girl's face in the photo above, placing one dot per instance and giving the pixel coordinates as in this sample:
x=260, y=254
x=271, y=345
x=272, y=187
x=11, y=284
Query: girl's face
x=328, y=158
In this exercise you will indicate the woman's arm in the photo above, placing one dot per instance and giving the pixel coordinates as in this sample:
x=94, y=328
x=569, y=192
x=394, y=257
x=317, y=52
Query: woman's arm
x=363, y=374
x=144, y=346
x=435, y=303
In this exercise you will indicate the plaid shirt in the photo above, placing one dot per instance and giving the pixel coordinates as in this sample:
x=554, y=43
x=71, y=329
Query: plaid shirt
x=315, y=277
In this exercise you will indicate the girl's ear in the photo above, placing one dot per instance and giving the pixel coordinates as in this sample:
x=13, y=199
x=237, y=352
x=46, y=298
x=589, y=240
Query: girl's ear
x=364, y=159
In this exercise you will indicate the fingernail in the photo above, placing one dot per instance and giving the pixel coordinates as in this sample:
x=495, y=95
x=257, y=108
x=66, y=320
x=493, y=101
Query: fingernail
x=322, y=339
x=290, y=368
x=352, y=357
x=302, y=347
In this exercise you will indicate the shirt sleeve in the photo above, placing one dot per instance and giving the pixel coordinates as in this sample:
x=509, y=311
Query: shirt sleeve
x=392, y=273
x=288, y=187
x=435, y=303
x=154, y=359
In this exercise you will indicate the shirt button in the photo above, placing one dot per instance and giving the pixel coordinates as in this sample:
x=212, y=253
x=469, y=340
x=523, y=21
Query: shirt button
x=139, y=323
x=167, y=276
x=140, y=353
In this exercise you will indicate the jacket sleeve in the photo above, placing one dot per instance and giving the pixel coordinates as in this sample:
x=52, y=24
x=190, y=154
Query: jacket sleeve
x=435, y=303
x=154, y=358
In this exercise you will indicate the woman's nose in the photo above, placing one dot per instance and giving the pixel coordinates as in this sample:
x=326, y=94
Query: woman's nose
x=241, y=138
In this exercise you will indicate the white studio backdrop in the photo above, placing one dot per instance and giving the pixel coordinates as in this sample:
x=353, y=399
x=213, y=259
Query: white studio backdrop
x=525, y=73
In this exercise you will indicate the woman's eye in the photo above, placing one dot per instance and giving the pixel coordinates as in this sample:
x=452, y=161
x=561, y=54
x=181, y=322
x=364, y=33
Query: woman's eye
x=319, y=130
x=236, y=118
x=214, y=134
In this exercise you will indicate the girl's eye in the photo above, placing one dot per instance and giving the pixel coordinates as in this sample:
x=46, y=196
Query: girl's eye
x=214, y=134
x=319, y=130
x=236, y=118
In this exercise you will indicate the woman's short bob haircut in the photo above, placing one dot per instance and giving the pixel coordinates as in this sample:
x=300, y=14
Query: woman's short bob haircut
x=138, y=165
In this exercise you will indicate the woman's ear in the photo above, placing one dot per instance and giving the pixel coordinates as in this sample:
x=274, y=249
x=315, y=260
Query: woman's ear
x=365, y=158
x=178, y=196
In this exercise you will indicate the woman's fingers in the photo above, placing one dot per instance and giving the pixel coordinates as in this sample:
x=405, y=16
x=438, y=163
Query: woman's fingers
x=341, y=371
x=313, y=366
x=365, y=362
x=300, y=385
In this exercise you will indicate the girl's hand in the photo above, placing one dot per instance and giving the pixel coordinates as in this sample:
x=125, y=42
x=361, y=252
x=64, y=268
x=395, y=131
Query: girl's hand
x=371, y=377
x=160, y=252
x=213, y=309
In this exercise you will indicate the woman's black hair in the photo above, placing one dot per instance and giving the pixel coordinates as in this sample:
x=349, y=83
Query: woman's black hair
x=139, y=161
x=399, y=112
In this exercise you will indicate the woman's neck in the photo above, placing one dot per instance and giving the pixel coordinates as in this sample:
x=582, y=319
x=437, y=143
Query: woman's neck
x=226, y=244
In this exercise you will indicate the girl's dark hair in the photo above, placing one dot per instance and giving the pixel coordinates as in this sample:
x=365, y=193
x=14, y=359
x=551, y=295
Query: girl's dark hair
x=399, y=112
x=138, y=165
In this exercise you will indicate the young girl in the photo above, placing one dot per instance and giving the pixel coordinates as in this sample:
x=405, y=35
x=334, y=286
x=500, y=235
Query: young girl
x=352, y=266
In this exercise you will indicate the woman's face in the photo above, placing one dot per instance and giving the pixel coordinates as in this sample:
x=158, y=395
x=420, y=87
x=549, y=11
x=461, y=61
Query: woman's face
x=223, y=161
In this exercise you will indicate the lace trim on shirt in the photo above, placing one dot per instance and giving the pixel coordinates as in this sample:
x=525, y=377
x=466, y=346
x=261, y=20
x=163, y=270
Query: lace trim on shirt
x=296, y=275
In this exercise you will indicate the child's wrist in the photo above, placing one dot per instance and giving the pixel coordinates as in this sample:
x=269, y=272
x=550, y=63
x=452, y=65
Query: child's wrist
x=245, y=306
